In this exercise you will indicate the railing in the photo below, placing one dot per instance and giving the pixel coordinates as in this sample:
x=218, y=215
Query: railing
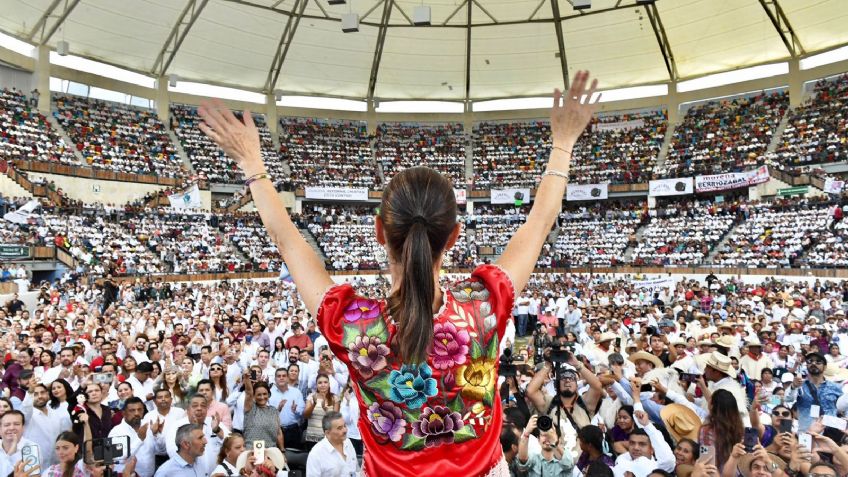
x=99, y=174
x=38, y=190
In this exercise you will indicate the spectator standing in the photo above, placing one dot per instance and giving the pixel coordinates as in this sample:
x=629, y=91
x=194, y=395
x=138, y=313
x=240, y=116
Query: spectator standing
x=333, y=455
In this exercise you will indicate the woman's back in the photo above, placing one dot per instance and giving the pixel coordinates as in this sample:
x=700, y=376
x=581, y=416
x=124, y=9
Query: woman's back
x=441, y=416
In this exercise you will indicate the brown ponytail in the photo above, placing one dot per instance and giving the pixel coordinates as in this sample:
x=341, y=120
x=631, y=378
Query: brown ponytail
x=418, y=212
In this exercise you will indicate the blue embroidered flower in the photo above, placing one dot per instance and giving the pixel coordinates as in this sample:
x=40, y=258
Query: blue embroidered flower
x=412, y=385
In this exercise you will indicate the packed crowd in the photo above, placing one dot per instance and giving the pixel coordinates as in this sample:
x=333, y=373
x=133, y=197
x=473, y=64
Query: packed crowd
x=345, y=236
x=251, y=239
x=817, y=131
x=594, y=237
x=117, y=137
x=670, y=377
x=328, y=153
x=26, y=134
x=439, y=146
x=510, y=154
x=728, y=135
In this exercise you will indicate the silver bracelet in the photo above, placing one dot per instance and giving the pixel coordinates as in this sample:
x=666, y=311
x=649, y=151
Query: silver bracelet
x=564, y=175
x=563, y=150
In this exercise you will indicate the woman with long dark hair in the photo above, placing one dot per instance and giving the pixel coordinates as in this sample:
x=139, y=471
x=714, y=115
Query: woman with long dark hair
x=424, y=358
x=724, y=429
x=62, y=395
x=68, y=453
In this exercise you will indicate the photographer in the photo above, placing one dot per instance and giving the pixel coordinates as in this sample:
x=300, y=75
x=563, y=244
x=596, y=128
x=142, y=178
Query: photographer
x=554, y=460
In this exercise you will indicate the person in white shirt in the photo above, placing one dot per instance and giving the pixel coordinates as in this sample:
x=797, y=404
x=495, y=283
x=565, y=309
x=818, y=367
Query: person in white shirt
x=333, y=455
x=350, y=412
x=140, y=381
x=212, y=430
x=141, y=438
x=64, y=370
x=162, y=416
x=11, y=434
x=647, y=442
x=43, y=422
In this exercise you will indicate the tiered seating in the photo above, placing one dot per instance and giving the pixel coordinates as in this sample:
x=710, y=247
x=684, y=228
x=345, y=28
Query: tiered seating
x=346, y=236
x=620, y=148
x=681, y=238
x=831, y=249
x=328, y=153
x=27, y=135
x=594, y=239
x=817, y=133
x=773, y=237
x=439, y=146
x=510, y=154
x=251, y=238
x=187, y=242
x=728, y=135
x=117, y=137
x=493, y=226
x=209, y=160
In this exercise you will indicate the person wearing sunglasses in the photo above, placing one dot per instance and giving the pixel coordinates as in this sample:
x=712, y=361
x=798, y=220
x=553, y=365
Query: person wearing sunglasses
x=814, y=391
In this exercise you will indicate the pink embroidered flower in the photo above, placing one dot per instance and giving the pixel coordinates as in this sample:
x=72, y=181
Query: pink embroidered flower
x=387, y=420
x=437, y=425
x=361, y=309
x=450, y=345
x=368, y=355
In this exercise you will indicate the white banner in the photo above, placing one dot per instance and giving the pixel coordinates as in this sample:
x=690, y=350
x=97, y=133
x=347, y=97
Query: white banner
x=731, y=180
x=619, y=125
x=680, y=186
x=833, y=186
x=22, y=214
x=586, y=191
x=461, y=196
x=655, y=284
x=187, y=199
x=509, y=196
x=337, y=193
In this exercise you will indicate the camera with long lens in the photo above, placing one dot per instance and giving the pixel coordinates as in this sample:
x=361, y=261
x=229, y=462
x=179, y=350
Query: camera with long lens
x=559, y=353
x=544, y=423
x=506, y=368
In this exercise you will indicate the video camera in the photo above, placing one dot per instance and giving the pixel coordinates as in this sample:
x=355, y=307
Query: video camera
x=559, y=353
x=507, y=369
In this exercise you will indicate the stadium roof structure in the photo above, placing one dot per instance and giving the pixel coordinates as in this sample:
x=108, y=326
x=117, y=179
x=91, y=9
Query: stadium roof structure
x=473, y=49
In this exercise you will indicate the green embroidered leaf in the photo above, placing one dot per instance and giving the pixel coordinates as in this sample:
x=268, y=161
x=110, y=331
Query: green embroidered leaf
x=476, y=350
x=489, y=396
x=351, y=332
x=411, y=416
x=410, y=442
x=381, y=385
x=464, y=434
x=367, y=397
x=494, y=344
x=378, y=330
x=457, y=405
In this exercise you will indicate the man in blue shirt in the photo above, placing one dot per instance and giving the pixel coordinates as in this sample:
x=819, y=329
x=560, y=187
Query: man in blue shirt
x=814, y=391
x=289, y=402
x=191, y=444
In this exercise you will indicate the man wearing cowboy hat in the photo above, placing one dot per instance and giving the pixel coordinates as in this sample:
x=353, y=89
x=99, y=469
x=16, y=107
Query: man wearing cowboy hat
x=754, y=362
x=814, y=391
x=719, y=373
x=600, y=351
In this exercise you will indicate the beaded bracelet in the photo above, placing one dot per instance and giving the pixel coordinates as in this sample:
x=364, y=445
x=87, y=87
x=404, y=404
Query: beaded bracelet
x=256, y=177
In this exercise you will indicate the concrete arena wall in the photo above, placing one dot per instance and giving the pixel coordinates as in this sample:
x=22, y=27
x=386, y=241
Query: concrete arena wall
x=110, y=192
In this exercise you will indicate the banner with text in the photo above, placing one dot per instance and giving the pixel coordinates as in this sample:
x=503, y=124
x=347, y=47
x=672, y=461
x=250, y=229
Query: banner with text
x=509, y=196
x=732, y=180
x=188, y=199
x=586, y=192
x=655, y=285
x=663, y=187
x=461, y=196
x=619, y=125
x=337, y=193
x=833, y=186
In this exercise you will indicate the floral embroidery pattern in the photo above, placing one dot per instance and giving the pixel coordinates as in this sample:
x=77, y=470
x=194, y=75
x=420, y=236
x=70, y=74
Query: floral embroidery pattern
x=450, y=345
x=437, y=425
x=469, y=290
x=412, y=385
x=476, y=378
x=361, y=309
x=368, y=355
x=387, y=420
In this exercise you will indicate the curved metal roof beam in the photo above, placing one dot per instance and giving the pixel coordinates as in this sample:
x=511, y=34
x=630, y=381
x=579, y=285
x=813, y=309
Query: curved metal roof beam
x=41, y=25
x=178, y=34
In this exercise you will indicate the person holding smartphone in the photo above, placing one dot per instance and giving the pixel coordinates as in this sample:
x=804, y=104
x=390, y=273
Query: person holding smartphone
x=815, y=396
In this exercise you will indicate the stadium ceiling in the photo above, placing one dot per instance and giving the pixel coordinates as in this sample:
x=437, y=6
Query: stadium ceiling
x=473, y=49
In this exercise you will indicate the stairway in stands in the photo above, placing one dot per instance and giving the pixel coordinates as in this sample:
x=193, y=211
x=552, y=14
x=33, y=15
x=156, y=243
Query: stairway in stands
x=708, y=260
x=64, y=135
x=10, y=188
x=640, y=231
x=313, y=242
x=666, y=145
x=179, y=146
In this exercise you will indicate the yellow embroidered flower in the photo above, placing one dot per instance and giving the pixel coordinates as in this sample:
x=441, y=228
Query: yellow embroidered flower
x=476, y=378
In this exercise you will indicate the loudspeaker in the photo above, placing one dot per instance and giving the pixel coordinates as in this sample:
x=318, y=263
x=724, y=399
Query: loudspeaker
x=62, y=48
x=336, y=2
x=421, y=15
x=350, y=22
x=172, y=80
x=581, y=4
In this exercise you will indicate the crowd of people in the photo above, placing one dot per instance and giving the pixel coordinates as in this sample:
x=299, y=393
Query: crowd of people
x=727, y=135
x=118, y=137
x=25, y=134
x=510, y=154
x=682, y=234
x=328, y=153
x=345, y=236
x=441, y=147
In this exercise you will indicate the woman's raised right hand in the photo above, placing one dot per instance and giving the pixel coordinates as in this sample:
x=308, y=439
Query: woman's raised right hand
x=239, y=139
x=572, y=112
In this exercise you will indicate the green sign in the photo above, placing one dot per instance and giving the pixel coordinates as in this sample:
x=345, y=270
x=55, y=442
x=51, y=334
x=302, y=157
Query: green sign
x=800, y=190
x=9, y=252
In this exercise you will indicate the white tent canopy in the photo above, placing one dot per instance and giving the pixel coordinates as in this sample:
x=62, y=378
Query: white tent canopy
x=508, y=48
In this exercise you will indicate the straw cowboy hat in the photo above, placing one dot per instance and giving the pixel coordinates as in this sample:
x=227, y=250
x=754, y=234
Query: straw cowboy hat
x=721, y=363
x=607, y=336
x=838, y=375
x=680, y=421
x=746, y=460
x=645, y=356
x=726, y=342
x=753, y=341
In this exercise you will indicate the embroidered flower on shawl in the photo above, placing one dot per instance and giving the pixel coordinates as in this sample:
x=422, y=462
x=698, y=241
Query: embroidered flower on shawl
x=468, y=290
x=476, y=378
x=437, y=425
x=368, y=355
x=412, y=385
x=450, y=345
x=387, y=420
x=361, y=309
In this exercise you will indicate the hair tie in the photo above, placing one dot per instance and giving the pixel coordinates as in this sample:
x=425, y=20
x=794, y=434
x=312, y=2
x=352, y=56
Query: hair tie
x=419, y=219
